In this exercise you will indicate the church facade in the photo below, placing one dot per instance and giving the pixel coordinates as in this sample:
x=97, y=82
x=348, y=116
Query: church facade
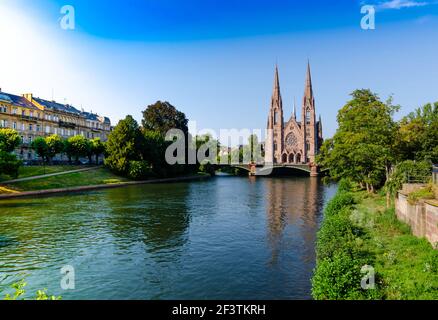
x=296, y=141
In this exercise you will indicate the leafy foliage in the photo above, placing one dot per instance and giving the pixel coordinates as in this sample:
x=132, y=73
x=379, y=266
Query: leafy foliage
x=9, y=164
x=124, y=144
x=55, y=145
x=340, y=256
x=9, y=140
x=40, y=147
x=340, y=201
x=408, y=171
x=139, y=170
x=418, y=134
x=19, y=292
x=162, y=116
x=365, y=128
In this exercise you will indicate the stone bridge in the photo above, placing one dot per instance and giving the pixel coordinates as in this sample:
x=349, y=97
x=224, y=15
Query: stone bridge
x=266, y=170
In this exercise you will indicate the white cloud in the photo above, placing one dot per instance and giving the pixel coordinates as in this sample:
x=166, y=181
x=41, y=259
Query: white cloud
x=400, y=4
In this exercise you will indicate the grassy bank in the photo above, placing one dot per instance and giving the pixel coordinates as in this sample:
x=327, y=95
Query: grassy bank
x=358, y=230
x=30, y=171
x=86, y=178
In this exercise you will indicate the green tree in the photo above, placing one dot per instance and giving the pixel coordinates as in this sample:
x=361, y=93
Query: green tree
x=97, y=148
x=9, y=140
x=55, y=145
x=162, y=116
x=418, y=134
x=39, y=145
x=125, y=143
x=363, y=148
x=78, y=146
x=9, y=164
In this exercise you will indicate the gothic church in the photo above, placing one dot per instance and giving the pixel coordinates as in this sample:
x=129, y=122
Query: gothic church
x=293, y=142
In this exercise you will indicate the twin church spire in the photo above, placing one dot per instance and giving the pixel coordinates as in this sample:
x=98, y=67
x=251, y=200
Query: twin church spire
x=308, y=99
x=293, y=141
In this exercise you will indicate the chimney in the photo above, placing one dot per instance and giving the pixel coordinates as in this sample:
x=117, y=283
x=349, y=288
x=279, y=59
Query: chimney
x=28, y=96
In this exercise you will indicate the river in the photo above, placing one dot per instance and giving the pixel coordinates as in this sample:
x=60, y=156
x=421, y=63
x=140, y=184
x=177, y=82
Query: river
x=222, y=238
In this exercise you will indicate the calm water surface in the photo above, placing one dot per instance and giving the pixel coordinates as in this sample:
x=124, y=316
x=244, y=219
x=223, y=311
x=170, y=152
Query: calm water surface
x=224, y=238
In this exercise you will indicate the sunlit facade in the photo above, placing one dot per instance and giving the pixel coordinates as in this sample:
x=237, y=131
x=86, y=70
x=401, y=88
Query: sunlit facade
x=32, y=117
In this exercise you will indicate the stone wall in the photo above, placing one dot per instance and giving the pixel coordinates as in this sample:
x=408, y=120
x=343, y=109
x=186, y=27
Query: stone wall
x=422, y=217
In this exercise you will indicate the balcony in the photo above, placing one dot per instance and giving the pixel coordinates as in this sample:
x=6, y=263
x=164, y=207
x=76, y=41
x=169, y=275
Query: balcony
x=29, y=118
x=68, y=125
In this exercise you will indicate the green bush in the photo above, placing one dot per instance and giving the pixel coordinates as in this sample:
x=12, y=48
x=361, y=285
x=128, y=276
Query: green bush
x=139, y=170
x=337, y=234
x=339, y=278
x=207, y=168
x=338, y=202
x=345, y=185
x=423, y=193
x=9, y=164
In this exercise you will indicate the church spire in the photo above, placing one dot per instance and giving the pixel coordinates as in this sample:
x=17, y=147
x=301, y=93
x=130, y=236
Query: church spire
x=308, y=91
x=295, y=110
x=276, y=91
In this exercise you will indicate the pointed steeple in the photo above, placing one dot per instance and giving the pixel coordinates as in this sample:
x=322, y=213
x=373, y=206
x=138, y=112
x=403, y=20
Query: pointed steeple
x=295, y=110
x=276, y=90
x=308, y=91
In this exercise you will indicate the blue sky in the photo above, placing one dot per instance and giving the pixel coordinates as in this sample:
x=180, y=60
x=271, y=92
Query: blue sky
x=215, y=59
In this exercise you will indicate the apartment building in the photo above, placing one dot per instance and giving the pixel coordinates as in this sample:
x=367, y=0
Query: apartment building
x=32, y=117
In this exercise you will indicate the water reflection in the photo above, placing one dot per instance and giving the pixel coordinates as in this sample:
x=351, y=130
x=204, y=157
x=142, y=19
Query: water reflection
x=225, y=238
x=155, y=215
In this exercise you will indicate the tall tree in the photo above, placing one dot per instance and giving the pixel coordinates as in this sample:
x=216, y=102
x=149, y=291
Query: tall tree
x=162, y=116
x=418, y=135
x=363, y=148
x=125, y=143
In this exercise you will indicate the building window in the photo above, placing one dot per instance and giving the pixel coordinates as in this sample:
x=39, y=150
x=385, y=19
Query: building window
x=14, y=126
x=30, y=139
x=275, y=117
x=47, y=129
x=308, y=116
x=30, y=127
x=14, y=111
x=38, y=128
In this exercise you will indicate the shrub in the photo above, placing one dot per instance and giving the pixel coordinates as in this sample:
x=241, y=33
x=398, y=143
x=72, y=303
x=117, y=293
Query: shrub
x=338, y=202
x=337, y=234
x=344, y=185
x=9, y=164
x=207, y=168
x=139, y=170
x=423, y=193
x=338, y=277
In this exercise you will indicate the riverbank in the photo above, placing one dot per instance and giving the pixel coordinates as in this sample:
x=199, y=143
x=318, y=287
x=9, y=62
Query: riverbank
x=79, y=181
x=359, y=231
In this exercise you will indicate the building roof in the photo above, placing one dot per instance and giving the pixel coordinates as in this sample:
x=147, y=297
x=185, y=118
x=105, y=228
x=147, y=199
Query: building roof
x=16, y=100
x=53, y=105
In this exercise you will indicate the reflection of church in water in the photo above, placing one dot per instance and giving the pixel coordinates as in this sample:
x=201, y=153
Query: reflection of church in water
x=293, y=214
x=293, y=141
